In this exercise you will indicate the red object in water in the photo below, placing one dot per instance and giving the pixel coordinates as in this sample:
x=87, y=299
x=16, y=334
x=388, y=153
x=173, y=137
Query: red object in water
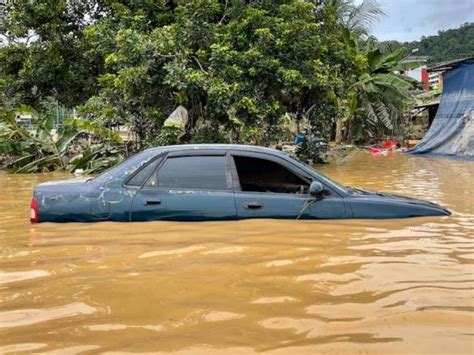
x=390, y=144
x=377, y=150
x=34, y=211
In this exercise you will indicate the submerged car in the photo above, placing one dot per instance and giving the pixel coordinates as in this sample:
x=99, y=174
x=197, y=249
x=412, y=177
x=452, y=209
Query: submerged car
x=214, y=182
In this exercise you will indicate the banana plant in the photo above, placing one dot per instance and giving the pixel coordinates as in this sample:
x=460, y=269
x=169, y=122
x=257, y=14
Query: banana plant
x=96, y=158
x=42, y=149
x=378, y=97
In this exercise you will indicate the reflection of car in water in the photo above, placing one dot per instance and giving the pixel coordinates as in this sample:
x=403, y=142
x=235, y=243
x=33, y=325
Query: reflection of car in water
x=214, y=182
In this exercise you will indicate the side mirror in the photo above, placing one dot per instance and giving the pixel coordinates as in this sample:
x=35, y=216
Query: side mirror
x=316, y=188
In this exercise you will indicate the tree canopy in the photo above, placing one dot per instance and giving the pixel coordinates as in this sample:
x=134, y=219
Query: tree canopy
x=446, y=45
x=242, y=68
x=243, y=63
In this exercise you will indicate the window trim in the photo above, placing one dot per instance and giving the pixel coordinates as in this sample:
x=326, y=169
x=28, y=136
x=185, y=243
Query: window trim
x=196, y=154
x=161, y=156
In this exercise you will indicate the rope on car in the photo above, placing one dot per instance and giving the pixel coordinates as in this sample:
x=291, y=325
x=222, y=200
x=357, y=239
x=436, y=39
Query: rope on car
x=307, y=203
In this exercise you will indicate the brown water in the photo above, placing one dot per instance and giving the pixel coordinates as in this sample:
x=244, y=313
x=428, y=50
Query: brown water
x=286, y=287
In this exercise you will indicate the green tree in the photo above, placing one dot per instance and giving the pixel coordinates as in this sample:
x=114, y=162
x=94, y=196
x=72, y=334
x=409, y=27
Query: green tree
x=357, y=18
x=376, y=94
x=377, y=99
x=241, y=65
x=42, y=53
x=447, y=45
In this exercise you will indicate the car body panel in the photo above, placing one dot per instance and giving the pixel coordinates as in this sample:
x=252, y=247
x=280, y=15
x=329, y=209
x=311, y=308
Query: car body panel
x=108, y=197
x=276, y=205
x=182, y=205
x=89, y=200
x=375, y=205
x=286, y=206
x=330, y=207
x=63, y=201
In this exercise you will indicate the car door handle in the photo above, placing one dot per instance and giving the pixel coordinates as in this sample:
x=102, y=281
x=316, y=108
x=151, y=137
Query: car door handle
x=253, y=205
x=151, y=202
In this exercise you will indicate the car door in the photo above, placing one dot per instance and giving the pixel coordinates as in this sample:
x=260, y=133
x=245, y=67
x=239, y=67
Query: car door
x=187, y=187
x=267, y=186
x=111, y=193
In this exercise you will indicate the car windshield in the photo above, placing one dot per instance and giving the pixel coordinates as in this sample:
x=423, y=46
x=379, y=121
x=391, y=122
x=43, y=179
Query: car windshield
x=309, y=167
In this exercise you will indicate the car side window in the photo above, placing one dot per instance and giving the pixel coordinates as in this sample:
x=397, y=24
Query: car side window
x=139, y=178
x=193, y=172
x=261, y=175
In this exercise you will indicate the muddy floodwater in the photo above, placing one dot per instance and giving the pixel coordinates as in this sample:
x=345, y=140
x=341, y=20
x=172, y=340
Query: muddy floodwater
x=257, y=286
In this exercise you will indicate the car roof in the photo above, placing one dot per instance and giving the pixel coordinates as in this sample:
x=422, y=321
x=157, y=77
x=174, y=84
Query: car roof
x=132, y=163
x=207, y=147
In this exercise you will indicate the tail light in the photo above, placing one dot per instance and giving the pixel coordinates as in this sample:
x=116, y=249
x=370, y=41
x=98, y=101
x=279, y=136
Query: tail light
x=34, y=211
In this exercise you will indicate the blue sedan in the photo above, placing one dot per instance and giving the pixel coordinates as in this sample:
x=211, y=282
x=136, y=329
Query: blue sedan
x=214, y=182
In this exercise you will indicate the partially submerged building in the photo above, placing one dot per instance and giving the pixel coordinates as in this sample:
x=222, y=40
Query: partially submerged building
x=452, y=130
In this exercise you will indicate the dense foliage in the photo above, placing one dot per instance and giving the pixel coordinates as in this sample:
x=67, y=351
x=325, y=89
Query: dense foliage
x=46, y=149
x=379, y=95
x=243, y=69
x=237, y=68
x=446, y=45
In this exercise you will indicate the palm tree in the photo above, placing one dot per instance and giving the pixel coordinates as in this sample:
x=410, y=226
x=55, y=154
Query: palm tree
x=378, y=94
x=378, y=97
x=358, y=19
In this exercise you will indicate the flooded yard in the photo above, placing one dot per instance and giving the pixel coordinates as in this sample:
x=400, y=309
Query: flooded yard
x=256, y=286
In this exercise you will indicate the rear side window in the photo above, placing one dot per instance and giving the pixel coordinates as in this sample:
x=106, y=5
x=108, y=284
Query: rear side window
x=196, y=172
x=143, y=174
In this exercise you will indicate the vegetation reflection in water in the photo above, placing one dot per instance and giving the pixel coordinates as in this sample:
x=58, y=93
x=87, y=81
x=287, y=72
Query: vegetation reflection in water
x=249, y=286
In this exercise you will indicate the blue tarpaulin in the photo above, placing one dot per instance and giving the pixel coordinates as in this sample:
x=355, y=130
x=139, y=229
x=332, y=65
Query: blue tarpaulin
x=452, y=130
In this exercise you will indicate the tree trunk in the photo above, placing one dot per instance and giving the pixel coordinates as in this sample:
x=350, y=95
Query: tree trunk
x=339, y=125
x=350, y=131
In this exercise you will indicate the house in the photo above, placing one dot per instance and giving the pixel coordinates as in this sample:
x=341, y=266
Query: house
x=436, y=72
x=420, y=73
x=452, y=130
